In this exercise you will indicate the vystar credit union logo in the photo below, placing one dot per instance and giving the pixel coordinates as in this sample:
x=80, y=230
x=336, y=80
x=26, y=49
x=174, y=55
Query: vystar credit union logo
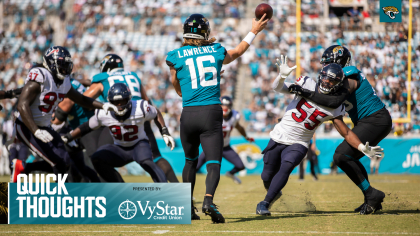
x=158, y=211
x=127, y=210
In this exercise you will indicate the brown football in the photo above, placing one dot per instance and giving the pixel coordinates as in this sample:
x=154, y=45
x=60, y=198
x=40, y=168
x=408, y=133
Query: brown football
x=262, y=9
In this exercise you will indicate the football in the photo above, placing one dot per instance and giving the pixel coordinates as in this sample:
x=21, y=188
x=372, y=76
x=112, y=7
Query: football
x=262, y=9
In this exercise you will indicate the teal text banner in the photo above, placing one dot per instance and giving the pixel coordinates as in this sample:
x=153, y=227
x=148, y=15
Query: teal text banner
x=100, y=203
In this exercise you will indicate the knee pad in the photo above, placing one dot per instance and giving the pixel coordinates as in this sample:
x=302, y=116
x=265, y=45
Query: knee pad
x=340, y=158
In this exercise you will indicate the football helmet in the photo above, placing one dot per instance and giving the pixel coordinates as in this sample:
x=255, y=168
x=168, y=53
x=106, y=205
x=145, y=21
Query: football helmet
x=226, y=105
x=330, y=78
x=336, y=54
x=110, y=62
x=117, y=93
x=58, y=61
x=197, y=26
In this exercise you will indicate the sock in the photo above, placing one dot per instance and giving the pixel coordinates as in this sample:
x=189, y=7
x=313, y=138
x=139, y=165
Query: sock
x=364, y=186
x=208, y=200
x=279, y=181
x=235, y=170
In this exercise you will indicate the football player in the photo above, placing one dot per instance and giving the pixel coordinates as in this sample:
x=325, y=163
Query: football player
x=290, y=138
x=372, y=121
x=45, y=86
x=111, y=72
x=195, y=72
x=77, y=116
x=230, y=120
x=130, y=140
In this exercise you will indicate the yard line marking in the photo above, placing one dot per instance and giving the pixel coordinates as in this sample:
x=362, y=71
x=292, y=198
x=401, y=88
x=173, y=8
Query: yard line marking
x=224, y=231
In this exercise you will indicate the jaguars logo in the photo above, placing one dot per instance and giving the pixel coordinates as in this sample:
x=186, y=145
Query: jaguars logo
x=338, y=51
x=390, y=11
x=249, y=153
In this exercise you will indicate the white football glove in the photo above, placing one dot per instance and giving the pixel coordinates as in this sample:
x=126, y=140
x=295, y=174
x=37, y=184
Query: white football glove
x=371, y=152
x=111, y=107
x=284, y=69
x=43, y=135
x=170, y=142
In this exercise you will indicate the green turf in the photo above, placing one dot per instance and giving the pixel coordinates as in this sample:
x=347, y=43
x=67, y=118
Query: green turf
x=307, y=207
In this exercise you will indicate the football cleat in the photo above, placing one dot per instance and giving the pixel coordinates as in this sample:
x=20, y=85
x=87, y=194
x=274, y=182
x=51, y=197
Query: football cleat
x=193, y=215
x=373, y=202
x=212, y=211
x=358, y=209
x=17, y=169
x=236, y=180
x=262, y=209
x=275, y=199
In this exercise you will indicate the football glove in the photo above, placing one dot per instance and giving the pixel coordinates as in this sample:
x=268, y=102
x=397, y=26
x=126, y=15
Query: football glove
x=111, y=107
x=371, y=151
x=170, y=142
x=43, y=135
x=284, y=69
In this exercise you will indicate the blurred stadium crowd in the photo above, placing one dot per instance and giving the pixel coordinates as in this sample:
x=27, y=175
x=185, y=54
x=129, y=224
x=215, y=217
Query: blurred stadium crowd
x=143, y=31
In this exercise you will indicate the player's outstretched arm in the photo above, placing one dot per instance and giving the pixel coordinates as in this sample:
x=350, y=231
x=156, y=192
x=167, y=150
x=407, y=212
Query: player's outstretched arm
x=160, y=123
x=83, y=129
x=10, y=93
x=284, y=71
x=257, y=26
x=175, y=81
x=242, y=131
x=62, y=111
x=354, y=141
x=94, y=90
x=328, y=100
x=88, y=102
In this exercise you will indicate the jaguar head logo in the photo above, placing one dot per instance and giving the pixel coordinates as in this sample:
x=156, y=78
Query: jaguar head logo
x=390, y=11
x=339, y=51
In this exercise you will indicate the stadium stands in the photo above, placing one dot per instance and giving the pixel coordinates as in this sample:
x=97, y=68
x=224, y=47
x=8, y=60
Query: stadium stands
x=142, y=32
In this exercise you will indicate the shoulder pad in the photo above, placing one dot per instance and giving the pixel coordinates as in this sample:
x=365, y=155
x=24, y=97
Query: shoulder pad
x=100, y=77
x=36, y=74
x=350, y=70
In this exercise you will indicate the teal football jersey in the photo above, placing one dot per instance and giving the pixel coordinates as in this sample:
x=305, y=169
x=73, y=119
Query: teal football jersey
x=198, y=71
x=78, y=115
x=364, y=101
x=107, y=79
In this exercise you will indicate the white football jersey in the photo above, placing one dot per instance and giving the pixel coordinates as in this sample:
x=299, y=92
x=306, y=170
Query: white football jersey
x=51, y=94
x=228, y=126
x=131, y=130
x=303, y=117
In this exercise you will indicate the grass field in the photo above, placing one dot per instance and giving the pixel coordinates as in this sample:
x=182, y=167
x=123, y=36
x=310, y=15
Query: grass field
x=307, y=207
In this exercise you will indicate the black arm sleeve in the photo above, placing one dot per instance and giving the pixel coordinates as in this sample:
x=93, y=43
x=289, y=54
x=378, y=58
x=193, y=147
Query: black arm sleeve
x=84, y=128
x=330, y=100
x=13, y=93
x=60, y=114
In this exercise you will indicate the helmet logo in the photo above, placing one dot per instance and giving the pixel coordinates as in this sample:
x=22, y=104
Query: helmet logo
x=331, y=74
x=52, y=52
x=338, y=50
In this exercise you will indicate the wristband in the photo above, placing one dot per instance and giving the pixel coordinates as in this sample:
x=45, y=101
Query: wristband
x=249, y=38
x=164, y=131
x=69, y=137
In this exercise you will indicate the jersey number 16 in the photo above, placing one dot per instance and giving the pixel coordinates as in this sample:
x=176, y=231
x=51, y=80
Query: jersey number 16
x=202, y=71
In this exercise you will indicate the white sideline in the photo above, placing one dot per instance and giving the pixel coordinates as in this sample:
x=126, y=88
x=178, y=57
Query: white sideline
x=224, y=231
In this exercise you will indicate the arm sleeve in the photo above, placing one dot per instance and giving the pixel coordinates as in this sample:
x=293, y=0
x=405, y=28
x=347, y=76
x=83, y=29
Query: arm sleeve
x=330, y=100
x=94, y=121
